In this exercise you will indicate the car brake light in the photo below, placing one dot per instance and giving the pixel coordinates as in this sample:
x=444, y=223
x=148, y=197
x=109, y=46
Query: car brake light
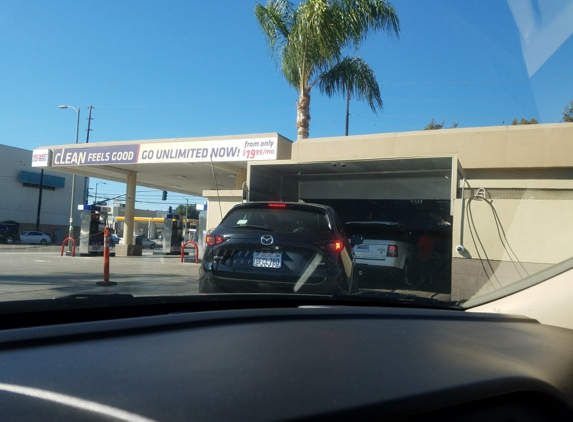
x=214, y=240
x=392, y=251
x=335, y=246
x=277, y=205
x=332, y=246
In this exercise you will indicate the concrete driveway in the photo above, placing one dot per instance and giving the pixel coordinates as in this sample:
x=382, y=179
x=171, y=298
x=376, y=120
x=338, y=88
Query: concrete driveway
x=39, y=272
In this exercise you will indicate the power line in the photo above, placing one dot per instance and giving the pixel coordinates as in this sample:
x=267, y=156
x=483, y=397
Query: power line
x=477, y=82
x=196, y=103
x=472, y=99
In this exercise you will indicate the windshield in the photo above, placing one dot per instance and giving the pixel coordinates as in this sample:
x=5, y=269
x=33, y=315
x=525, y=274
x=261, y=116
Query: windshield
x=277, y=220
x=160, y=149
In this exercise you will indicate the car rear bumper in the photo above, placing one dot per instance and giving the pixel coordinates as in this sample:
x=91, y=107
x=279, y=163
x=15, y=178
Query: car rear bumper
x=210, y=283
x=389, y=262
x=370, y=276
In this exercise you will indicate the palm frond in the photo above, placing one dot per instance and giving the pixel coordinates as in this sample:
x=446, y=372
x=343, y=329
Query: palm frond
x=275, y=20
x=365, y=16
x=352, y=74
x=310, y=41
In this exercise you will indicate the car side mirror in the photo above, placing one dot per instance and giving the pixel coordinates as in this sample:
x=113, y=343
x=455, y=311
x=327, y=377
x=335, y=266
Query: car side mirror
x=356, y=239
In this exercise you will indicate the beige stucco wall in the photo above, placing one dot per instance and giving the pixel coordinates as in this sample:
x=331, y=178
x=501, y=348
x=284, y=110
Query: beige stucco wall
x=547, y=145
x=538, y=231
x=531, y=235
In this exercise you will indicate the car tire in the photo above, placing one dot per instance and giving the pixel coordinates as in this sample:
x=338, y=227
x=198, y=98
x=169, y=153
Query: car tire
x=152, y=246
x=9, y=240
x=43, y=242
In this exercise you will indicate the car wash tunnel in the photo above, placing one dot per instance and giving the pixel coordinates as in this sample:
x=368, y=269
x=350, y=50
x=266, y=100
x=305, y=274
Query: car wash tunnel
x=400, y=209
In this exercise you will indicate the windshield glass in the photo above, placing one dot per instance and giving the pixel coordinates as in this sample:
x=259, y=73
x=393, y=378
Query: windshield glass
x=404, y=150
x=277, y=220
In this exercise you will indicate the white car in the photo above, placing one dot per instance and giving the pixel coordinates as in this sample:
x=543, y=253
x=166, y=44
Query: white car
x=382, y=248
x=144, y=241
x=35, y=237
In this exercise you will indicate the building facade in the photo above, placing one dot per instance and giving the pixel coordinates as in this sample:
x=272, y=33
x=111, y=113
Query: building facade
x=19, y=198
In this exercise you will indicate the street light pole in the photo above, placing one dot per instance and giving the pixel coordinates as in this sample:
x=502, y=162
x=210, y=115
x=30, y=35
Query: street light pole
x=98, y=183
x=71, y=230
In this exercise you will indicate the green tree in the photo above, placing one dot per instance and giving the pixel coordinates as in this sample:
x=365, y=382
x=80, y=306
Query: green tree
x=310, y=41
x=437, y=126
x=192, y=212
x=523, y=121
x=568, y=113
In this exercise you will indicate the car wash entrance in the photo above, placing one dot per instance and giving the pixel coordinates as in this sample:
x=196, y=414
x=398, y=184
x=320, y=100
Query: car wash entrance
x=397, y=213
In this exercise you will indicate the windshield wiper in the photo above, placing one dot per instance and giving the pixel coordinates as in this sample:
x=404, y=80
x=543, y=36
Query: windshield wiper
x=252, y=226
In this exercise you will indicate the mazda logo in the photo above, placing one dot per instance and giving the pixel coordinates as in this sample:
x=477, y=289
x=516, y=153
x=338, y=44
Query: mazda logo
x=267, y=239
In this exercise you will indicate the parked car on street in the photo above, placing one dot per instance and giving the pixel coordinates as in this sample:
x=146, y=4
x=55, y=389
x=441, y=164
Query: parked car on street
x=277, y=247
x=380, y=249
x=115, y=240
x=144, y=242
x=33, y=237
x=9, y=233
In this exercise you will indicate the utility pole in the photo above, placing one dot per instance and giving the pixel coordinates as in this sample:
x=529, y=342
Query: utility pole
x=87, y=179
x=89, y=124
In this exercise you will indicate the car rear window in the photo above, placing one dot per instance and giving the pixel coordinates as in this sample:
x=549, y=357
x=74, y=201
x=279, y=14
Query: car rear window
x=9, y=228
x=278, y=220
x=377, y=231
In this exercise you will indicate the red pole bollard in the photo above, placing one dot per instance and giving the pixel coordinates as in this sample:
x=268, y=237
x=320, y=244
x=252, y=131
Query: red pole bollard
x=106, y=255
x=73, y=243
x=196, y=250
x=106, y=281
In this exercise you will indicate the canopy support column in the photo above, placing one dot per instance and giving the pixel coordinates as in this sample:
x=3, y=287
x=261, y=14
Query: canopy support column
x=129, y=208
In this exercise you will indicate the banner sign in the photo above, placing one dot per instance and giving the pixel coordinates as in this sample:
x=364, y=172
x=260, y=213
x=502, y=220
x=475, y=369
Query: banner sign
x=120, y=154
x=165, y=152
x=41, y=157
x=206, y=151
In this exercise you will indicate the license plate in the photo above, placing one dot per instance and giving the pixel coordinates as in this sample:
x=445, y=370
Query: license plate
x=366, y=251
x=267, y=260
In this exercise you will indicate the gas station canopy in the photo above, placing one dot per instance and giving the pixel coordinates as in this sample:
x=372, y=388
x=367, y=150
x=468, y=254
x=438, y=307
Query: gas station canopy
x=220, y=167
x=183, y=165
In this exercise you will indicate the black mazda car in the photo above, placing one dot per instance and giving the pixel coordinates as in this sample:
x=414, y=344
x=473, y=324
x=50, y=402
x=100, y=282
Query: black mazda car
x=272, y=247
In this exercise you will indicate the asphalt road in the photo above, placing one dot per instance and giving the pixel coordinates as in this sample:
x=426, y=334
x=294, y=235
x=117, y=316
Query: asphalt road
x=39, y=272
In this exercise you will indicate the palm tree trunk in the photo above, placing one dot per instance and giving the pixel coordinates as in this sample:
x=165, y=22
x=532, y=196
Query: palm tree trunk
x=303, y=114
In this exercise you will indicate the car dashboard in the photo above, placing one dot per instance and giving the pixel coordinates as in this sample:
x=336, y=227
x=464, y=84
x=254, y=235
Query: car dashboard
x=308, y=362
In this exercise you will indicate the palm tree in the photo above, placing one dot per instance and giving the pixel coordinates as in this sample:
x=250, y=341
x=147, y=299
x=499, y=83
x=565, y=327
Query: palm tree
x=310, y=40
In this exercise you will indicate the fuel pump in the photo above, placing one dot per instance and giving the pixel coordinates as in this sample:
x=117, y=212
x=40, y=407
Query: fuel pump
x=93, y=223
x=172, y=233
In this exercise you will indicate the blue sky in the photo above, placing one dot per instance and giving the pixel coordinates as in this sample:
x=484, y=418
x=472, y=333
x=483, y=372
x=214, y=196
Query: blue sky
x=183, y=68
